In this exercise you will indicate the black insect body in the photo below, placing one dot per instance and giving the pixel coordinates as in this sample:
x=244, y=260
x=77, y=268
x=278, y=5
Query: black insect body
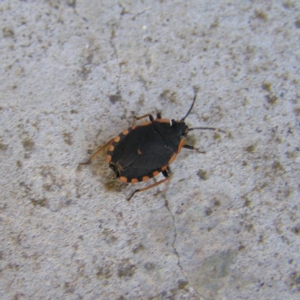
x=145, y=150
x=140, y=151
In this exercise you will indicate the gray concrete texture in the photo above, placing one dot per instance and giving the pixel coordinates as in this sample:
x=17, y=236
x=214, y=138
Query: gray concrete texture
x=73, y=75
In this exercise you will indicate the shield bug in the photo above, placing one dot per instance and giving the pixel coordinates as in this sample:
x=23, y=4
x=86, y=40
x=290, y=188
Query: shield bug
x=145, y=150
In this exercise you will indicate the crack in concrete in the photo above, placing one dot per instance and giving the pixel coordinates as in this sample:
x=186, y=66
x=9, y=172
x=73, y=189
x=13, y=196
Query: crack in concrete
x=175, y=250
x=115, y=27
x=112, y=43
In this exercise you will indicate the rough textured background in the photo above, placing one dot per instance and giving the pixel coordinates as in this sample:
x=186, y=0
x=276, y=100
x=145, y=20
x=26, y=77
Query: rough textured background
x=72, y=76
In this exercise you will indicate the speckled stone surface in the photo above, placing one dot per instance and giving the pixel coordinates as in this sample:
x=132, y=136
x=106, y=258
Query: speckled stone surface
x=73, y=74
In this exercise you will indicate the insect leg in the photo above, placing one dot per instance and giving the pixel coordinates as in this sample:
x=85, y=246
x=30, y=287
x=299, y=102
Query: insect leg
x=97, y=152
x=145, y=116
x=193, y=148
x=165, y=173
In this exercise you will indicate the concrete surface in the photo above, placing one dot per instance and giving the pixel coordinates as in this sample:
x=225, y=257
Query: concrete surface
x=72, y=76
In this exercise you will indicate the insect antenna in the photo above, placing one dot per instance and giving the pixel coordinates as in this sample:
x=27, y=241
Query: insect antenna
x=207, y=128
x=190, y=107
x=200, y=128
